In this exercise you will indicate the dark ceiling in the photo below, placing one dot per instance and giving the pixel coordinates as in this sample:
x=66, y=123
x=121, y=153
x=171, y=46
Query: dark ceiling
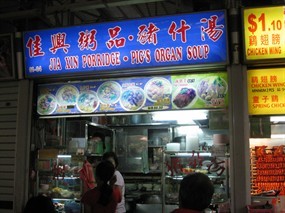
x=24, y=15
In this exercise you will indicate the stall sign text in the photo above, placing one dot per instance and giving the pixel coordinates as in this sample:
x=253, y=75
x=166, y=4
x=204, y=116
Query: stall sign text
x=266, y=91
x=264, y=33
x=188, y=39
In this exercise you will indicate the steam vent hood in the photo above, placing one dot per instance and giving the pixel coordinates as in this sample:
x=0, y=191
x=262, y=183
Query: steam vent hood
x=202, y=123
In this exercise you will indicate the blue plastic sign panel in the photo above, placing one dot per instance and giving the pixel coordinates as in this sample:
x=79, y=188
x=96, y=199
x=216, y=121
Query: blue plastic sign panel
x=188, y=39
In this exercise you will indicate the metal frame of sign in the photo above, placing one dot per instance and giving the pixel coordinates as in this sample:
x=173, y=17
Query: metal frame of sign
x=195, y=39
x=257, y=22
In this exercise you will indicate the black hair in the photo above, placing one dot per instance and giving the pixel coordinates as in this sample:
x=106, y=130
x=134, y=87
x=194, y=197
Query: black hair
x=196, y=191
x=105, y=171
x=38, y=204
x=113, y=155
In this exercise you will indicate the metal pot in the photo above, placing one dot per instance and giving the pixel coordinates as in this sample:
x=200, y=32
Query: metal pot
x=179, y=139
x=113, y=120
x=136, y=119
x=157, y=141
x=147, y=118
x=150, y=199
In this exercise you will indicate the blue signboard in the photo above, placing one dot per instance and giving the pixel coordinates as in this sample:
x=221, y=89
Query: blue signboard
x=188, y=39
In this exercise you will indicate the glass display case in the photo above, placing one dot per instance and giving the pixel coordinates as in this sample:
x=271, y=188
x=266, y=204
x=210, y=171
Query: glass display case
x=213, y=162
x=139, y=147
x=267, y=161
x=58, y=177
x=57, y=156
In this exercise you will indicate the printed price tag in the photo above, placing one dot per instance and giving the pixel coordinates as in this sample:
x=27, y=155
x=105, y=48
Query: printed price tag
x=264, y=33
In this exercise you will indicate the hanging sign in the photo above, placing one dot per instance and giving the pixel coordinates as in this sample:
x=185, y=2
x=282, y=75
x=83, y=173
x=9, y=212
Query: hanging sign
x=264, y=33
x=197, y=91
x=187, y=39
x=266, y=91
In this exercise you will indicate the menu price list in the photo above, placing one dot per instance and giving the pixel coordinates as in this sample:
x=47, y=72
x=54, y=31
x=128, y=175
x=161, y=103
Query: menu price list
x=267, y=169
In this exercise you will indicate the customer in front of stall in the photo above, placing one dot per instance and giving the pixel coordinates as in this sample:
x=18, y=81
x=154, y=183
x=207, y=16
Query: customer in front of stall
x=195, y=193
x=112, y=157
x=105, y=197
x=40, y=203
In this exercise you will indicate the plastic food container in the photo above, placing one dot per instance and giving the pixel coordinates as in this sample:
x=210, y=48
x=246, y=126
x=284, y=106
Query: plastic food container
x=173, y=146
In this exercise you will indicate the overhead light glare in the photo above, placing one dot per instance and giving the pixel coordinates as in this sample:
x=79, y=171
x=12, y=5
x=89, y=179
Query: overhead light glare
x=180, y=116
x=277, y=118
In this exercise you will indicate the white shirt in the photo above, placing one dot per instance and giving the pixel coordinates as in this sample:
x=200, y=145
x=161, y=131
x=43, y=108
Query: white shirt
x=120, y=182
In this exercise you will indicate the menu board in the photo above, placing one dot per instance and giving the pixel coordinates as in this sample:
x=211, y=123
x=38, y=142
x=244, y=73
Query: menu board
x=266, y=91
x=135, y=94
x=264, y=33
x=267, y=169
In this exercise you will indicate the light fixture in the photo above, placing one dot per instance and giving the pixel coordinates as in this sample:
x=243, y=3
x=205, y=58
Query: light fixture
x=278, y=136
x=277, y=118
x=180, y=116
x=64, y=156
x=190, y=154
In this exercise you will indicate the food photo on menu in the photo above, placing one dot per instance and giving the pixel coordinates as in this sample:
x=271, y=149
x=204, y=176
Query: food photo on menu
x=46, y=104
x=67, y=95
x=184, y=97
x=87, y=101
x=201, y=90
x=109, y=92
x=133, y=98
x=158, y=88
x=144, y=93
x=211, y=87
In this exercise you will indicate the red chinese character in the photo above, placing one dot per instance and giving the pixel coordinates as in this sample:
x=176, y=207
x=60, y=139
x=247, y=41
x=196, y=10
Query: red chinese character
x=148, y=34
x=255, y=99
x=34, y=46
x=275, y=38
x=213, y=30
x=114, y=41
x=182, y=30
x=274, y=98
x=254, y=79
x=265, y=98
x=58, y=42
x=263, y=79
x=252, y=40
x=273, y=78
x=87, y=40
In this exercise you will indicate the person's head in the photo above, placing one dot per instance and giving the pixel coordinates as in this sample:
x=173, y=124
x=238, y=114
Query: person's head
x=104, y=172
x=112, y=157
x=39, y=204
x=196, y=191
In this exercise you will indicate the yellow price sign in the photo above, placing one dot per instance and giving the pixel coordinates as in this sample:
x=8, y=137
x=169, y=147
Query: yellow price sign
x=266, y=91
x=264, y=33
